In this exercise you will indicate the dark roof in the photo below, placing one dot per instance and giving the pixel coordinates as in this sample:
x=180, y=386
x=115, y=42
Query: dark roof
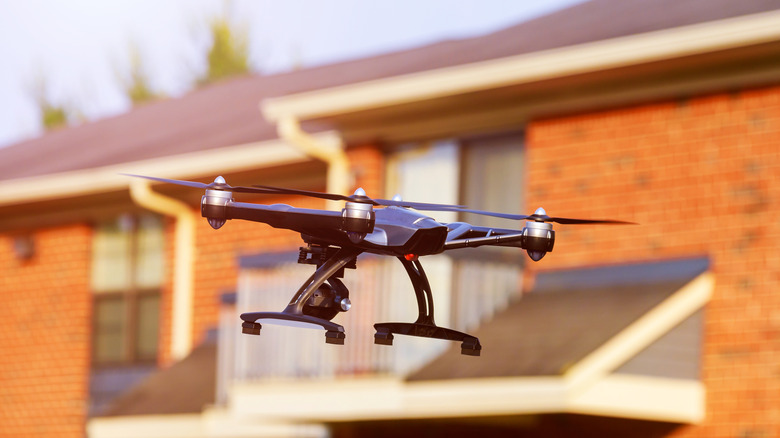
x=567, y=315
x=186, y=387
x=226, y=114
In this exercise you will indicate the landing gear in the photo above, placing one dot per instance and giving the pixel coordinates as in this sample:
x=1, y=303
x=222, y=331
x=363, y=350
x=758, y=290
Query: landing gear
x=425, y=326
x=324, y=295
x=316, y=302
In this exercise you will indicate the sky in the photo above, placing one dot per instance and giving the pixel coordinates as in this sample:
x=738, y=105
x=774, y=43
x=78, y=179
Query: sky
x=81, y=49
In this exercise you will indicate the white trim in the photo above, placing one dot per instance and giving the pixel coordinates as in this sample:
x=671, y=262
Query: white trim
x=293, y=408
x=105, y=179
x=213, y=423
x=392, y=398
x=371, y=399
x=642, y=397
x=152, y=426
x=183, y=262
x=339, y=178
x=532, y=67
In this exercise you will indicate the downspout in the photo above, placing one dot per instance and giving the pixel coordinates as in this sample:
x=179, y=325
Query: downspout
x=183, y=267
x=331, y=152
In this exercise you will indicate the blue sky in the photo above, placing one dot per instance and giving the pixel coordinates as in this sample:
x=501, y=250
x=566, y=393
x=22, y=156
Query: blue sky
x=81, y=48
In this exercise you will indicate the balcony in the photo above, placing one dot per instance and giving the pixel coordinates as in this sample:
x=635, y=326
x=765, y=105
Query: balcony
x=466, y=292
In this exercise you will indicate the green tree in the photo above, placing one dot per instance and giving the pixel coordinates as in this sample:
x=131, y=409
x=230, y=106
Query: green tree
x=229, y=52
x=137, y=85
x=52, y=115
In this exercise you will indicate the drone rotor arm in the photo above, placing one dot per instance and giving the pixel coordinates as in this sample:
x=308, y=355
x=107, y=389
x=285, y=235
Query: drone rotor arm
x=285, y=216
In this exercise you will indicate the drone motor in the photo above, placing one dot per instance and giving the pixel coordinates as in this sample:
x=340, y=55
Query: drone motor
x=213, y=203
x=538, y=237
x=358, y=218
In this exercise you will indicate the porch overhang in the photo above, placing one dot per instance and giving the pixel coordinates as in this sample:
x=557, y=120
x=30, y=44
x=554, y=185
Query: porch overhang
x=376, y=399
x=590, y=386
x=600, y=381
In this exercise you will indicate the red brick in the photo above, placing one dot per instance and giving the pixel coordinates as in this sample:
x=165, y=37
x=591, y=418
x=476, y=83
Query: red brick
x=702, y=179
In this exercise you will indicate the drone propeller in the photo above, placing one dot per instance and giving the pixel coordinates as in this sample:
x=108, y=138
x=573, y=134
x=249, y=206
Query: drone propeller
x=218, y=184
x=541, y=216
x=361, y=198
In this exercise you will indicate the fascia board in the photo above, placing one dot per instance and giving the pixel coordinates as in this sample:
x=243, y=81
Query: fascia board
x=642, y=397
x=105, y=179
x=625, y=51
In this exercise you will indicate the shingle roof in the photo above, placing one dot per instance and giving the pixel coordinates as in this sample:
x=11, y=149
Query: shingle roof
x=226, y=114
x=567, y=315
x=186, y=387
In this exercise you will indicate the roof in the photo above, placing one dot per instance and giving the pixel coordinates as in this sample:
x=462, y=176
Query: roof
x=566, y=316
x=226, y=113
x=186, y=387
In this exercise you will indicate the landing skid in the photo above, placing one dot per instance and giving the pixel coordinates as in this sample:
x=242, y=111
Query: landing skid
x=334, y=334
x=470, y=345
x=293, y=313
x=425, y=326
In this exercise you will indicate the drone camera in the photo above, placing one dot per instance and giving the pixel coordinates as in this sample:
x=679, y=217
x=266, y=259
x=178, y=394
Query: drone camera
x=538, y=239
x=213, y=206
x=327, y=302
x=357, y=220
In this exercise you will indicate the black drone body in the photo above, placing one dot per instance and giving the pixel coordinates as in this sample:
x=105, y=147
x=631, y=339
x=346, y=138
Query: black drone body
x=334, y=240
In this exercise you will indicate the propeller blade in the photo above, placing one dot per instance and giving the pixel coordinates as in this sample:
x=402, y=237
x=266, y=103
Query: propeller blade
x=544, y=218
x=566, y=221
x=418, y=205
x=197, y=185
x=362, y=199
x=329, y=196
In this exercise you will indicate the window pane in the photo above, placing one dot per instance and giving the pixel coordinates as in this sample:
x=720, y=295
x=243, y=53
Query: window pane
x=110, y=329
x=493, y=178
x=148, y=326
x=426, y=173
x=150, y=253
x=111, y=257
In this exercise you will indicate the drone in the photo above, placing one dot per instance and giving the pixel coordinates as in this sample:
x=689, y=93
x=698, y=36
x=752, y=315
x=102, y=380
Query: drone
x=334, y=239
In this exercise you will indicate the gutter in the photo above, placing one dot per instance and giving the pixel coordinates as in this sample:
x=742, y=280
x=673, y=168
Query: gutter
x=82, y=182
x=183, y=268
x=631, y=50
x=330, y=150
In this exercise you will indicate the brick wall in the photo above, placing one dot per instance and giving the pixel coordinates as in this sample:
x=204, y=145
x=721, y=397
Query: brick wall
x=702, y=176
x=45, y=333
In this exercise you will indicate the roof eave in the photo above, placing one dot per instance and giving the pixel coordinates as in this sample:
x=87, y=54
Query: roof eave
x=633, y=50
x=238, y=158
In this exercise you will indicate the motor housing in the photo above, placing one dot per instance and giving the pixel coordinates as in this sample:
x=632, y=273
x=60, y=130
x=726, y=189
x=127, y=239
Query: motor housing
x=213, y=205
x=357, y=220
x=538, y=239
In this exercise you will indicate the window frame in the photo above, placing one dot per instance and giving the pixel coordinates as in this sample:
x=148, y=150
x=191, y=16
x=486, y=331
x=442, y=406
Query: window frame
x=131, y=296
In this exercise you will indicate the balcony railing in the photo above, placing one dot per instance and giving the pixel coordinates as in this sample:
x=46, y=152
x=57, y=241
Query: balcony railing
x=466, y=292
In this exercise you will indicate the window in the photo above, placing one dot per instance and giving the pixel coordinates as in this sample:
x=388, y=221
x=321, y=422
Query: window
x=127, y=274
x=492, y=177
x=484, y=173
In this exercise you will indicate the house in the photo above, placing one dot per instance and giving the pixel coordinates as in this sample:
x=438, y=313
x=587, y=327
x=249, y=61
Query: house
x=666, y=113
